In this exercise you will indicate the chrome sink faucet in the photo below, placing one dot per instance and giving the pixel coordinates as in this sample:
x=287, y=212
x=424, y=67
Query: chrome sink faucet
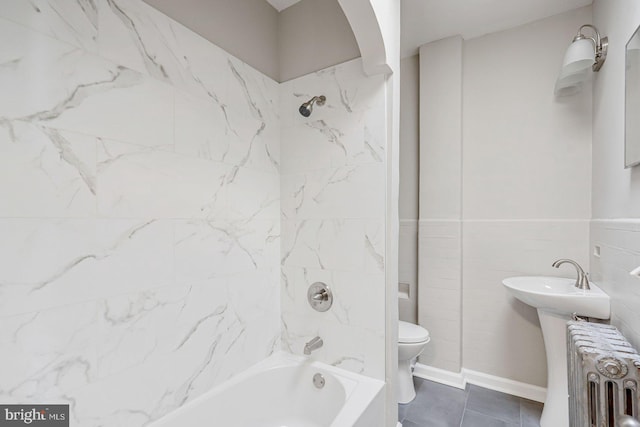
x=582, y=281
x=312, y=345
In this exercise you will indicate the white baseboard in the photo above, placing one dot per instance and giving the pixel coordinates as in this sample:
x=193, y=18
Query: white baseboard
x=505, y=385
x=492, y=382
x=441, y=376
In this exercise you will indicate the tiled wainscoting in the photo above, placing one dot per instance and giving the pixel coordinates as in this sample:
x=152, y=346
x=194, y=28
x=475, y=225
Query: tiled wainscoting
x=615, y=252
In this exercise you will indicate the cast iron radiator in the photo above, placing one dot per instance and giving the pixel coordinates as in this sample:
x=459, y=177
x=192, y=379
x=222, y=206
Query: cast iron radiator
x=604, y=374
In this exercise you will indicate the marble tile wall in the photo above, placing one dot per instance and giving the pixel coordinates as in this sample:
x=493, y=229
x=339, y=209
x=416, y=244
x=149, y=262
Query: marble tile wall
x=333, y=215
x=139, y=211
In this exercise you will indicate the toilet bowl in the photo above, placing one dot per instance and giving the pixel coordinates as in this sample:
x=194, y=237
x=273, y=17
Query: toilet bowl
x=412, y=340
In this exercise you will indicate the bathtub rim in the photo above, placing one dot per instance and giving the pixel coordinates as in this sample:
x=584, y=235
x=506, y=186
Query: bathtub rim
x=360, y=391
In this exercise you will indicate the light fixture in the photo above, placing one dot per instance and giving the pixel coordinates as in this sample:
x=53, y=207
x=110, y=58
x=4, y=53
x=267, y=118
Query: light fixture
x=583, y=53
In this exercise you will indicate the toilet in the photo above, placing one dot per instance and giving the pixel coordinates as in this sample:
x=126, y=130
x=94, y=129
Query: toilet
x=412, y=339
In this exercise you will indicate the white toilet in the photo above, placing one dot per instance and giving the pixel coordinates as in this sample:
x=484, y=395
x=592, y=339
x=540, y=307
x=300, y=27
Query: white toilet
x=412, y=340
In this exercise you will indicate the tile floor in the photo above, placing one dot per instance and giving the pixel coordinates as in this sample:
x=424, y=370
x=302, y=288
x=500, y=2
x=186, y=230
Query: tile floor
x=438, y=405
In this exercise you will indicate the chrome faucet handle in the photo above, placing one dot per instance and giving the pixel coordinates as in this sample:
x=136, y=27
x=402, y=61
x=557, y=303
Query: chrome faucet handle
x=321, y=295
x=582, y=281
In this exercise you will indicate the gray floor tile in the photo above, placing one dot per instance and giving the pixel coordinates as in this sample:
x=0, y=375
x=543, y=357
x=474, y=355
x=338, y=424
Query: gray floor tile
x=436, y=405
x=530, y=412
x=494, y=404
x=434, y=422
x=476, y=419
x=402, y=412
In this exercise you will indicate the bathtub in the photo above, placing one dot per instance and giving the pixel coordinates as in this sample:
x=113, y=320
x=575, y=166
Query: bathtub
x=280, y=392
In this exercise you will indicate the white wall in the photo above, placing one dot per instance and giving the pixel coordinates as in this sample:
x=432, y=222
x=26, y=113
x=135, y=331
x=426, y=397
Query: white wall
x=409, y=183
x=439, y=242
x=526, y=187
x=523, y=192
x=409, y=137
x=616, y=191
x=140, y=214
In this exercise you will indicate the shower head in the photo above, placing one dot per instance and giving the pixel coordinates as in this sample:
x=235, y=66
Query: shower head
x=306, y=108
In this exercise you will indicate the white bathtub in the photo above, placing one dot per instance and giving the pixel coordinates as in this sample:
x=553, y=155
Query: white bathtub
x=279, y=392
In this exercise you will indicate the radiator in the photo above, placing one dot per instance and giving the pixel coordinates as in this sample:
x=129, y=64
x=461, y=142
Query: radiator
x=604, y=375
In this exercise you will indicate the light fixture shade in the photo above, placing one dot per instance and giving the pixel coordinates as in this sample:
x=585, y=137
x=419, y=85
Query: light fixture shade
x=569, y=84
x=580, y=56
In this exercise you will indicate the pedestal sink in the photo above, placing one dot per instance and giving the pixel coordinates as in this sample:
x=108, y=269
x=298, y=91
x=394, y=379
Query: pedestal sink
x=556, y=299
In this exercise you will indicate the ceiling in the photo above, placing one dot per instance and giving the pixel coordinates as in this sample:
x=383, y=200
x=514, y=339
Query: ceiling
x=424, y=21
x=281, y=5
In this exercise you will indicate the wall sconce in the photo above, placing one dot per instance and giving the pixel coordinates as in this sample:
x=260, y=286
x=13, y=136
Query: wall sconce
x=583, y=53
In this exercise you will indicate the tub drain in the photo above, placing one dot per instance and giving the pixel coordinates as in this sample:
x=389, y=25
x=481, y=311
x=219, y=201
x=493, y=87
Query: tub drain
x=318, y=380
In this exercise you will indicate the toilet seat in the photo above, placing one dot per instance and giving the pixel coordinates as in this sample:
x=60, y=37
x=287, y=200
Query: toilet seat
x=409, y=333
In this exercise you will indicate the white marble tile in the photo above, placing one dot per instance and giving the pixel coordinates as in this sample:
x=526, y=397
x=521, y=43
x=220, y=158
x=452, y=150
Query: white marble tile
x=257, y=94
x=204, y=129
x=333, y=244
x=333, y=142
x=345, y=86
x=375, y=238
x=139, y=182
x=132, y=109
x=29, y=81
x=357, y=296
x=321, y=144
x=207, y=250
x=210, y=340
x=332, y=172
x=134, y=327
x=62, y=250
x=137, y=327
x=133, y=34
x=135, y=255
x=46, y=172
x=374, y=344
x=252, y=194
x=204, y=66
x=331, y=193
x=74, y=22
x=342, y=344
x=48, y=353
x=80, y=260
x=61, y=86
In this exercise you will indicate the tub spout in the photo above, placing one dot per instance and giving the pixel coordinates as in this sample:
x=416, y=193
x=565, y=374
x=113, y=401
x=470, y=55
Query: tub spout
x=312, y=345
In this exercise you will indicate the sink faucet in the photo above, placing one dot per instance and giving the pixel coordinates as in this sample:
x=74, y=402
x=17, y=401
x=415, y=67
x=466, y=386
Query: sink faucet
x=582, y=281
x=312, y=345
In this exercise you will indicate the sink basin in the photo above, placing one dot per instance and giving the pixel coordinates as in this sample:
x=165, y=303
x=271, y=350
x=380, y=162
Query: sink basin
x=559, y=295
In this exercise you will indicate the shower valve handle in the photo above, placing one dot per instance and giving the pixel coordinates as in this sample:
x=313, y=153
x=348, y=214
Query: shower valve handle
x=322, y=295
